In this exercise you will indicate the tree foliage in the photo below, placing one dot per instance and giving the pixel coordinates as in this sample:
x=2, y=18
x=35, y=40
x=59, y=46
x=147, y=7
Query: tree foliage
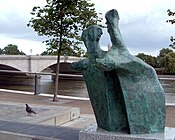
x=61, y=21
x=171, y=13
x=161, y=57
x=172, y=21
x=1, y=51
x=164, y=51
x=11, y=50
x=170, y=63
x=69, y=51
x=165, y=59
x=63, y=18
x=151, y=60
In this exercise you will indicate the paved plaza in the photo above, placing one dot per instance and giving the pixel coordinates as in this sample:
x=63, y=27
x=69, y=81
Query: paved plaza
x=60, y=120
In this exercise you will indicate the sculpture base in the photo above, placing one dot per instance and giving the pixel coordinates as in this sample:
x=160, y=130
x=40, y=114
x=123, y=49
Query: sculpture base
x=94, y=133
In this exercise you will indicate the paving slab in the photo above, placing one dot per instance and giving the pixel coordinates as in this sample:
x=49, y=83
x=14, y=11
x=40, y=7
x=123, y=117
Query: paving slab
x=26, y=130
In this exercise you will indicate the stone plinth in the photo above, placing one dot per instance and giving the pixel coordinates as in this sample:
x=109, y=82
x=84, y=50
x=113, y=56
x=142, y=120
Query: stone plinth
x=94, y=133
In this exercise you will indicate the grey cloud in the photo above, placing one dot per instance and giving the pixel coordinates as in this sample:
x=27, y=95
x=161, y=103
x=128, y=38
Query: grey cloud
x=139, y=33
x=144, y=35
x=16, y=27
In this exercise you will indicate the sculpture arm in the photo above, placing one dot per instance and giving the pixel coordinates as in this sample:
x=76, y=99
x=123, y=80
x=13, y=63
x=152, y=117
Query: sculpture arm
x=112, y=18
x=114, y=60
x=81, y=65
x=103, y=64
x=116, y=39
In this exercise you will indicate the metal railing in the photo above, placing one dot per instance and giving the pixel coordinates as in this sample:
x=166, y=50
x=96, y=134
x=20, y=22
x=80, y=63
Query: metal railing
x=37, y=76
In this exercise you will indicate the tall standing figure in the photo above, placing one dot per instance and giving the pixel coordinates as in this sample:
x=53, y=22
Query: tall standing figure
x=104, y=91
x=142, y=92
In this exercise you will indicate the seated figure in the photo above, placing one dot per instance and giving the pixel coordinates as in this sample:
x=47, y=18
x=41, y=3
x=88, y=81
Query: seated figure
x=104, y=90
x=143, y=94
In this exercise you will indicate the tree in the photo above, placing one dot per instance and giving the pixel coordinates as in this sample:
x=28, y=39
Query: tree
x=164, y=51
x=61, y=21
x=170, y=63
x=69, y=51
x=12, y=50
x=161, y=57
x=172, y=21
x=1, y=51
x=171, y=13
x=151, y=60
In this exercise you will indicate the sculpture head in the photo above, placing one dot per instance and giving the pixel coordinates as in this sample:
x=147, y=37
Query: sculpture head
x=112, y=19
x=91, y=34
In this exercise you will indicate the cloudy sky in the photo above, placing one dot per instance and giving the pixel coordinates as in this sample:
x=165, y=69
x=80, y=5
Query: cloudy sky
x=142, y=24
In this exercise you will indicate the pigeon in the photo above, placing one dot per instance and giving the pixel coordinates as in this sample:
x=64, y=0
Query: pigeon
x=29, y=110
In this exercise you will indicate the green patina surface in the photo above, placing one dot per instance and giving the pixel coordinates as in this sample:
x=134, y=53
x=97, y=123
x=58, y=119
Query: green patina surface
x=125, y=92
x=105, y=94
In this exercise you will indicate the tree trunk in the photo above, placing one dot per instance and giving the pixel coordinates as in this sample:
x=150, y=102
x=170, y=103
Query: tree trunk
x=58, y=58
x=57, y=78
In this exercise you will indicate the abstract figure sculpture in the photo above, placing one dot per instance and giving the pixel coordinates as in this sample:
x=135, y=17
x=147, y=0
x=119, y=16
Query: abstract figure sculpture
x=105, y=94
x=125, y=92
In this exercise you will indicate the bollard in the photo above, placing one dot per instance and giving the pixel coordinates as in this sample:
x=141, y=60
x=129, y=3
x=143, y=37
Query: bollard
x=37, y=84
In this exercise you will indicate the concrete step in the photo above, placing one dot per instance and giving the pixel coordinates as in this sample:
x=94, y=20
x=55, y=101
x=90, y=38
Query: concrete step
x=82, y=122
x=46, y=115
